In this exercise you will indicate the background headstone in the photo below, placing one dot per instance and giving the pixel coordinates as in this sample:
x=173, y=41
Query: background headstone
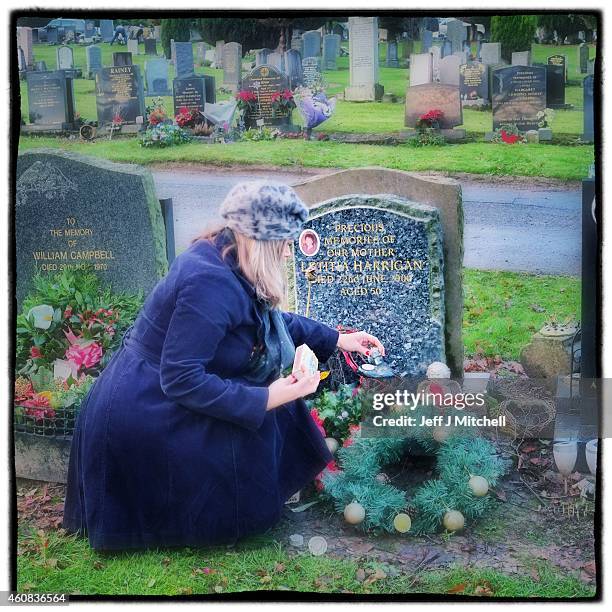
x=50, y=100
x=518, y=95
x=25, y=42
x=392, y=57
x=449, y=70
x=232, y=65
x=132, y=46
x=93, y=55
x=261, y=56
x=122, y=58
x=423, y=98
x=490, y=53
x=64, y=58
x=521, y=58
x=312, y=43
x=183, y=59
x=264, y=81
x=374, y=285
x=583, y=57
x=555, y=86
x=473, y=84
x=588, y=118
x=276, y=60
x=426, y=41
x=559, y=60
x=53, y=35
x=436, y=57
x=456, y=33
x=107, y=29
x=421, y=69
x=21, y=60
x=73, y=211
x=331, y=51
x=447, y=48
x=297, y=43
x=156, y=73
x=189, y=92
x=211, y=89
x=293, y=68
x=363, y=60
x=90, y=30
x=150, y=46
x=311, y=71
x=219, y=53
x=119, y=94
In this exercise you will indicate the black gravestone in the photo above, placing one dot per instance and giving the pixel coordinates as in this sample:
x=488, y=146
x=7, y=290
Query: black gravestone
x=122, y=58
x=559, y=60
x=519, y=94
x=150, y=45
x=50, y=100
x=474, y=84
x=211, y=91
x=588, y=118
x=189, y=92
x=73, y=211
x=264, y=82
x=379, y=267
x=555, y=86
x=119, y=95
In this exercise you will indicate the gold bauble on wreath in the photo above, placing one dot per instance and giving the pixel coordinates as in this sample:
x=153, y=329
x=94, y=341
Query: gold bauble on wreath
x=354, y=513
x=479, y=486
x=402, y=522
x=332, y=445
x=453, y=520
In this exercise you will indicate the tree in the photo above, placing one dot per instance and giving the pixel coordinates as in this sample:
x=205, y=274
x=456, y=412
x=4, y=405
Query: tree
x=566, y=25
x=178, y=30
x=514, y=32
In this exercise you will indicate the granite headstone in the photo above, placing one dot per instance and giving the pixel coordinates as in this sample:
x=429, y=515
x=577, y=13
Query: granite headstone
x=293, y=68
x=276, y=60
x=490, y=53
x=421, y=69
x=132, y=46
x=93, y=55
x=261, y=56
x=363, y=60
x=521, y=58
x=156, y=73
x=64, y=58
x=588, y=116
x=219, y=53
x=122, y=58
x=473, y=84
x=449, y=70
x=189, y=92
x=456, y=33
x=150, y=46
x=50, y=100
x=25, y=42
x=73, y=211
x=331, y=50
x=422, y=98
x=379, y=265
x=119, y=95
x=312, y=43
x=583, y=57
x=264, y=82
x=232, y=65
x=518, y=95
x=107, y=30
x=426, y=40
x=392, y=57
x=311, y=70
x=183, y=60
x=555, y=86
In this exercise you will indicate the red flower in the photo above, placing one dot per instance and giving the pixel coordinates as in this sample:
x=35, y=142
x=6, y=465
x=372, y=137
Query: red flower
x=35, y=352
x=38, y=407
x=287, y=94
x=275, y=97
x=246, y=96
x=317, y=419
x=68, y=312
x=509, y=138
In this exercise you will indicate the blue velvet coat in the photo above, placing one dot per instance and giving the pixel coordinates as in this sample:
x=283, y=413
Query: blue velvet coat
x=171, y=447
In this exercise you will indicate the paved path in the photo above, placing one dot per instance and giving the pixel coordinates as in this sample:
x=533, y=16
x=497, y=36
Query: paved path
x=506, y=227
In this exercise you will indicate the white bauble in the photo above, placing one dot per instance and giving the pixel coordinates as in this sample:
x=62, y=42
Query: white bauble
x=437, y=370
x=402, y=522
x=354, y=513
x=332, y=444
x=453, y=520
x=479, y=486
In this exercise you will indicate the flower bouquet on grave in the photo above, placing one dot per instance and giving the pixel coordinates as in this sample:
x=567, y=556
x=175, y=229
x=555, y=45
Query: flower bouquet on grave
x=282, y=102
x=246, y=101
x=509, y=134
x=156, y=113
x=431, y=120
x=67, y=330
x=187, y=117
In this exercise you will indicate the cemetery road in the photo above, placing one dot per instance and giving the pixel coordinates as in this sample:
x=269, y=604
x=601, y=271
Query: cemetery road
x=507, y=226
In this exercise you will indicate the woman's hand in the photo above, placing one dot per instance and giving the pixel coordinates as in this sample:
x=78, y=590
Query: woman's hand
x=287, y=389
x=359, y=342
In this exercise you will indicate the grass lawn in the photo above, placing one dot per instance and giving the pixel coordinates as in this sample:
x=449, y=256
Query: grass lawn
x=553, y=161
x=502, y=310
x=68, y=564
x=349, y=116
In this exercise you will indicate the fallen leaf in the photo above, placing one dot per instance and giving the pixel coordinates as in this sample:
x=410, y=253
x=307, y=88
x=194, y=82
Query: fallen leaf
x=151, y=583
x=360, y=575
x=458, y=588
x=166, y=561
x=377, y=575
x=279, y=567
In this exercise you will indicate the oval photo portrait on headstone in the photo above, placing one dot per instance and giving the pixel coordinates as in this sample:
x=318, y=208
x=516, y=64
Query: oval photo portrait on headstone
x=309, y=242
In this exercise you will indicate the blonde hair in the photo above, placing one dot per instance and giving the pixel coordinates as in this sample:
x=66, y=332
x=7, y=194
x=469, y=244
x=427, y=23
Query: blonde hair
x=261, y=261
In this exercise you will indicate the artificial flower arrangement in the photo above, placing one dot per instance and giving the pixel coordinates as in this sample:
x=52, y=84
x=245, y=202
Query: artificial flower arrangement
x=67, y=330
x=282, y=102
x=187, y=117
x=430, y=120
x=246, y=101
x=509, y=134
x=156, y=113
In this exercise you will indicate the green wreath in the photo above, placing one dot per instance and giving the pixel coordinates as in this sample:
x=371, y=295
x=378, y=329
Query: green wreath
x=467, y=467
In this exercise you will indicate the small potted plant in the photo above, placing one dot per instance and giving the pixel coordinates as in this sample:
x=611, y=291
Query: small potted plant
x=247, y=101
